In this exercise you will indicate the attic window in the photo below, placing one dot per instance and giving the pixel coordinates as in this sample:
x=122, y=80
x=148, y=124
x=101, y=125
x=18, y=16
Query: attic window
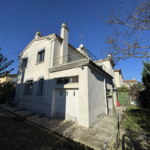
x=40, y=56
x=24, y=62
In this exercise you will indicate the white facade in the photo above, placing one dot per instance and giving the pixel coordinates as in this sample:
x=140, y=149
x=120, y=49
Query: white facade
x=118, y=78
x=83, y=101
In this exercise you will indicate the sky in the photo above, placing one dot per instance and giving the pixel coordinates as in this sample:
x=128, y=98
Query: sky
x=20, y=19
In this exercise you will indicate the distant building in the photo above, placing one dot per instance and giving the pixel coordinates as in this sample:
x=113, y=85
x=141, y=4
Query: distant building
x=118, y=78
x=129, y=83
x=9, y=78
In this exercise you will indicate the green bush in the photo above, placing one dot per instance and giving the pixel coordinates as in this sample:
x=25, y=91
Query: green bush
x=7, y=90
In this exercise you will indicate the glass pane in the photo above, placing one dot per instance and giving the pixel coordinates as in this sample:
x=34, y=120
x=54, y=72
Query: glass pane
x=75, y=80
x=59, y=81
x=66, y=80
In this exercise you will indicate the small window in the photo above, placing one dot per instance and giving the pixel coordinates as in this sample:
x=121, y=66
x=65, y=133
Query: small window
x=40, y=88
x=24, y=63
x=66, y=80
x=59, y=81
x=67, y=93
x=60, y=92
x=75, y=80
x=74, y=93
x=29, y=86
x=41, y=56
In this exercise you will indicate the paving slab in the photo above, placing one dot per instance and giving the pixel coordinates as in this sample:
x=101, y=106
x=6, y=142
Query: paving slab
x=23, y=113
x=100, y=133
x=11, y=109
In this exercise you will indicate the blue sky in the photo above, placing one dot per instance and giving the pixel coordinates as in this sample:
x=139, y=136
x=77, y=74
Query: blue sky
x=19, y=20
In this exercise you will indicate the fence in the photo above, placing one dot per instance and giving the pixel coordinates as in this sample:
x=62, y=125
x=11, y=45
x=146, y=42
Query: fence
x=124, y=100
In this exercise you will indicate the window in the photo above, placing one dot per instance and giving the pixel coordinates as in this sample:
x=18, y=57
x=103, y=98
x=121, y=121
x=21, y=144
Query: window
x=41, y=56
x=74, y=93
x=24, y=63
x=60, y=92
x=40, y=88
x=75, y=80
x=67, y=80
x=29, y=86
x=59, y=81
x=67, y=93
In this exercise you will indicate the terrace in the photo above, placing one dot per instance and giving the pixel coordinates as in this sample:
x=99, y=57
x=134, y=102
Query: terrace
x=76, y=60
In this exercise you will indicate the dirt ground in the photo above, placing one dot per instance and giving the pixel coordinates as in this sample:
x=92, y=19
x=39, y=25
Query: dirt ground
x=17, y=134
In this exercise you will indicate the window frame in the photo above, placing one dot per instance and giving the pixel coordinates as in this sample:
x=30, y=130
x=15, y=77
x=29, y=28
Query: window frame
x=27, y=84
x=40, y=56
x=40, y=87
x=24, y=62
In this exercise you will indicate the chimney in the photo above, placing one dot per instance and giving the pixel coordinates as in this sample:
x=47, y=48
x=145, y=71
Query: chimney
x=64, y=36
x=109, y=56
x=38, y=35
x=133, y=78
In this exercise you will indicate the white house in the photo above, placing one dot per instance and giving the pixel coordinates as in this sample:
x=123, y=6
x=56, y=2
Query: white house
x=129, y=83
x=118, y=78
x=60, y=81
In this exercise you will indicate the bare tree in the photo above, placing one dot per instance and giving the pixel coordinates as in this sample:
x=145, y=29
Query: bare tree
x=129, y=40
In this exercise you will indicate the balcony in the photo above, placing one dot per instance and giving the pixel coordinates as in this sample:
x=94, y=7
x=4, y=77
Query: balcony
x=76, y=60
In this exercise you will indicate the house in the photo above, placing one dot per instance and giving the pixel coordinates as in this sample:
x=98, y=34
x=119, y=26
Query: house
x=60, y=81
x=118, y=78
x=129, y=83
x=9, y=78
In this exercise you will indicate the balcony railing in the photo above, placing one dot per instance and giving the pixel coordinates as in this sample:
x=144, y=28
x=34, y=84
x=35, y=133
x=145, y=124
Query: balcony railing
x=86, y=54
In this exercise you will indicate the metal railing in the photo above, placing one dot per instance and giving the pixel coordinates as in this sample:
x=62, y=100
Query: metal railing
x=85, y=54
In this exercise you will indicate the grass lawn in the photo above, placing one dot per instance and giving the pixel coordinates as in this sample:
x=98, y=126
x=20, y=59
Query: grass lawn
x=136, y=119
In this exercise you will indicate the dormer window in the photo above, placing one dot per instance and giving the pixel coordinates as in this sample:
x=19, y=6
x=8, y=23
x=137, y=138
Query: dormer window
x=41, y=56
x=24, y=63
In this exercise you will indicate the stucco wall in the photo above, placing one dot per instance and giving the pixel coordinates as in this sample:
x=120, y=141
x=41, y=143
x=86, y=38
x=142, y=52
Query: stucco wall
x=95, y=95
x=83, y=118
x=121, y=79
x=34, y=72
x=117, y=79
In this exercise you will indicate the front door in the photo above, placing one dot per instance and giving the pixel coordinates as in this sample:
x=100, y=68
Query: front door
x=60, y=104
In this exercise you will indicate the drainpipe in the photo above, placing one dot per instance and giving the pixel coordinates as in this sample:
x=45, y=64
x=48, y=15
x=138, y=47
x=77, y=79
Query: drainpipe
x=48, y=80
x=105, y=96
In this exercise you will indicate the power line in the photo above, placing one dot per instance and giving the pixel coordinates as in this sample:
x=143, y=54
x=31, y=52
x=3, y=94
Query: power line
x=22, y=50
x=13, y=53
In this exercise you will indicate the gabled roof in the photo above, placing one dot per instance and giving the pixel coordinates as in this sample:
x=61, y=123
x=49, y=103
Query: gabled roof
x=129, y=81
x=37, y=39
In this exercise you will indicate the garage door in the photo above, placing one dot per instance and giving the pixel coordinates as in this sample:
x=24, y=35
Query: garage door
x=72, y=105
x=66, y=104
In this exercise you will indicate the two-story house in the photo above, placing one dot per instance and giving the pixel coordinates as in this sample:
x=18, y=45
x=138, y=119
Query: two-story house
x=60, y=81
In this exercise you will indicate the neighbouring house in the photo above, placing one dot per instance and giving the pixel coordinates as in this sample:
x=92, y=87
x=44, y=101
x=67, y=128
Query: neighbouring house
x=60, y=81
x=118, y=78
x=129, y=83
x=9, y=78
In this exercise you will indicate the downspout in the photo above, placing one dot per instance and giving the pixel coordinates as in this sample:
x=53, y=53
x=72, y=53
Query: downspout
x=105, y=96
x=48, y=81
